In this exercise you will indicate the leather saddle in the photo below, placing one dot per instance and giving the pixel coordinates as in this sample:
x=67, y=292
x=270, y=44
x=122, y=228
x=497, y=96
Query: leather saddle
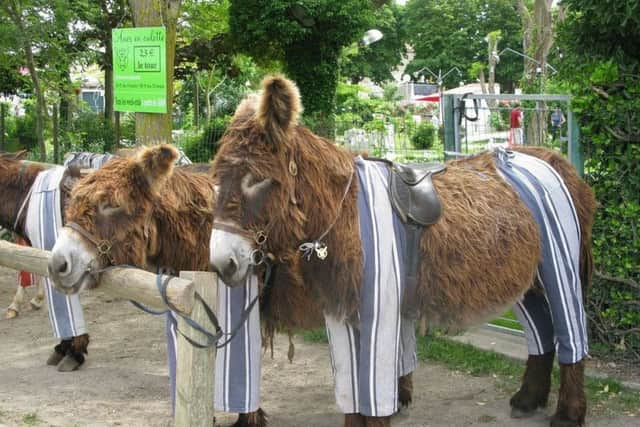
x=412, y=192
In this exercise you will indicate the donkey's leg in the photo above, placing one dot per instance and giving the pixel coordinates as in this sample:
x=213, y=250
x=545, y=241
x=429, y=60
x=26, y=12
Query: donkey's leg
x=536, y=383
x=252, y=419
x=535, y=317
x=405, y=389
x=14, y=308
x=377, y=421
x=572, y=403
x=36, y=301
x=354, y=420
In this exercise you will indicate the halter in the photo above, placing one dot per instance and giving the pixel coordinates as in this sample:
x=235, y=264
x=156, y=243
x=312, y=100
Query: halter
x=102, y=246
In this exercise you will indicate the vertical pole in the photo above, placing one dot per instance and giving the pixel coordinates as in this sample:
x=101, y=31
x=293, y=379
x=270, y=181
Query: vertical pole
x=574, y=149
x=195, y=366
x=116, y=129
x=449, y=124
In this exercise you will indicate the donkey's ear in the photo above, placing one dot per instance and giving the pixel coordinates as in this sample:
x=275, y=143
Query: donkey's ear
x=157, y=162
x=279, y=107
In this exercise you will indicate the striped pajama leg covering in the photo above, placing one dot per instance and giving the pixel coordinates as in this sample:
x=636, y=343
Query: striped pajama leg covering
x=44, y=219
x=238, y=364
x=370, y=353
x=556, y=318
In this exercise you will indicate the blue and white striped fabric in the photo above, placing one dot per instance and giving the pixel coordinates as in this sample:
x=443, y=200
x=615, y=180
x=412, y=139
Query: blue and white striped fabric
x=238, y=364
x=559, y=313
x=370, y=353
x=85, y=160
x=44, y=220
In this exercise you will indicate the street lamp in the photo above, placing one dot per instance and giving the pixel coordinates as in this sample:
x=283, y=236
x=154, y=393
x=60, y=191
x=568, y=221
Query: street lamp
x=440, y=79
x=371, y=37
x=538, y=69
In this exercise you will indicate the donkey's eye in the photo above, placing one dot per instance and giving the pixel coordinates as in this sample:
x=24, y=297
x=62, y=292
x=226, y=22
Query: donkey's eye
x=109, y=209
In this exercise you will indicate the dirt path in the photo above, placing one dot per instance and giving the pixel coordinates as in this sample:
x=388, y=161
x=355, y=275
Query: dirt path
x=125, y=380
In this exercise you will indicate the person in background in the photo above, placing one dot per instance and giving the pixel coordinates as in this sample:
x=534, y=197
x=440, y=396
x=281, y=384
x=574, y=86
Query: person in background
x=557, y=120
x=516, y=133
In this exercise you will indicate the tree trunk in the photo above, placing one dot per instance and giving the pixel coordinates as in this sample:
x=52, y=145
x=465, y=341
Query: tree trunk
x=108, y=78
x=154, y=128
x=3, y=113
x=15, y=13
x=538, y=38
x=56, y=140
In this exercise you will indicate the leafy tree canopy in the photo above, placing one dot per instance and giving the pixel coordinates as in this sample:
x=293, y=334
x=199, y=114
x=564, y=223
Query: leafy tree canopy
x=381, y=58
x=448, y=33
x=307, y=35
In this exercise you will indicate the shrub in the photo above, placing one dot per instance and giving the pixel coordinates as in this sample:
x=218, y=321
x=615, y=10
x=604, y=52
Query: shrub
x=424, y=136
x=201, y=146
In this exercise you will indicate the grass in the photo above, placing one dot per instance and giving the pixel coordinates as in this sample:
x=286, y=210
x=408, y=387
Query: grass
x=31, y=419
x=604, y=395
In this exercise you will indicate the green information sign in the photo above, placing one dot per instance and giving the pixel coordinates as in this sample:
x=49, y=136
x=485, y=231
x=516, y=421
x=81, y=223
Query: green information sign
x=139, y=69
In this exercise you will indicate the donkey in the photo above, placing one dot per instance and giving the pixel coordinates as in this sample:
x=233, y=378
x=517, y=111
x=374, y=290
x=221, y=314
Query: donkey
x=500, y=239
x=16, y=180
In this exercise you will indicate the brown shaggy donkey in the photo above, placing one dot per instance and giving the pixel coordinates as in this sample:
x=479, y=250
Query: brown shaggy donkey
x=16, y=179
x=282, y=185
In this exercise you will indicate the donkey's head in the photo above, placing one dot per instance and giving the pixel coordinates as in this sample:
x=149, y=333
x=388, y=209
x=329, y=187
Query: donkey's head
x=255, y=168
x=109, y=218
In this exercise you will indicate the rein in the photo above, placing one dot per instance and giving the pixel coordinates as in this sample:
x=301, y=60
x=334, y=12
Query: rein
x=104, y=248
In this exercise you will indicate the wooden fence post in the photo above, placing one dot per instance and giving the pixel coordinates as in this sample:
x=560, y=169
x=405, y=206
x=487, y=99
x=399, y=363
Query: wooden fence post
x=195, y=366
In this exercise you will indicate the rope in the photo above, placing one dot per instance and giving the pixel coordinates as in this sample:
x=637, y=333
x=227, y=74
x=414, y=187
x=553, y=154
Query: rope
x=318, y=245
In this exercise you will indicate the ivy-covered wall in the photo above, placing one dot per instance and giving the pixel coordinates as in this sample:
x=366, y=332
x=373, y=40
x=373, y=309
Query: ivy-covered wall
x=601, y=68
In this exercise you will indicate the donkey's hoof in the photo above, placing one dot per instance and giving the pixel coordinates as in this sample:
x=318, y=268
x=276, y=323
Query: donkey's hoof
x=562, y=421
x=524, y=404
x=10, y=314
x=252, y=419
x=519, y=413
x=54, y=358
x=69, y=364
x=35, y=304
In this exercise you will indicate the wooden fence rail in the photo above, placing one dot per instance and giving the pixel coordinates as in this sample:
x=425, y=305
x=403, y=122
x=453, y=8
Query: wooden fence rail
x=195, y=366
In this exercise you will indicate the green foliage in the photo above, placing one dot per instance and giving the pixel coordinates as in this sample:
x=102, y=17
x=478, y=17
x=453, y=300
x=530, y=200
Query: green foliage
x=601, y=68
x=424, y=137
x=90, y=132
x=307, y=36
x=380, y=59
x=202, y=146
x=451, y=33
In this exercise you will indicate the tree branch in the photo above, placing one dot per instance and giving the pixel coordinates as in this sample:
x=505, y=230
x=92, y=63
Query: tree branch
x=629, y=282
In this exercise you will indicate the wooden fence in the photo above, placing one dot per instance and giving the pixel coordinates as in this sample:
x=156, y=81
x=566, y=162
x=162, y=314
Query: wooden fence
x=195, y=366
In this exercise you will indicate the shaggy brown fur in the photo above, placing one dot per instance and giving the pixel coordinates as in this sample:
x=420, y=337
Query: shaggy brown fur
x=572, y=402
x=15, y=181
x=479, y=258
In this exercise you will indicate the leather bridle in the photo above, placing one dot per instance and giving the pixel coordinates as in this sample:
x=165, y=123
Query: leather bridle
x=102, y=246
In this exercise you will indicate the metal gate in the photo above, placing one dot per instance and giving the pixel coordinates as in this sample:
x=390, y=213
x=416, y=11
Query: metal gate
x=475, y=122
